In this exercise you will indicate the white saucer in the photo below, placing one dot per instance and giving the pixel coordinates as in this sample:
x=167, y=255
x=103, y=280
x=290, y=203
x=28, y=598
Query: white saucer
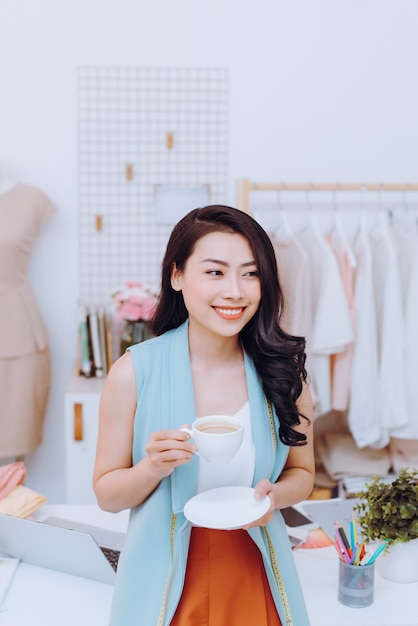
x=225, y=508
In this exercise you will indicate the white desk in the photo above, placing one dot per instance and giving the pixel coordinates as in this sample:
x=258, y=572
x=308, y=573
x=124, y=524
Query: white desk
x=42, y=597
x=394, y=604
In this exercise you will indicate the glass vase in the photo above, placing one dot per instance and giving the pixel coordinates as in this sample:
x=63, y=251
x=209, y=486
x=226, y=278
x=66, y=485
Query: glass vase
x=134, y=332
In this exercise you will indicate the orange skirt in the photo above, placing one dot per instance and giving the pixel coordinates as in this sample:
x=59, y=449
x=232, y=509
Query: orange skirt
x=225, y=582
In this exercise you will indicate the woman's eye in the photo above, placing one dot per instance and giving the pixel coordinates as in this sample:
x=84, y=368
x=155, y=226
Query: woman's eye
x=214, y=272
x=253, y=274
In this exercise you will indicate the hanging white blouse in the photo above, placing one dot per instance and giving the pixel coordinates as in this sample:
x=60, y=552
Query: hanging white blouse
x=293, y=265
x=332, y=329
x=363, y=413
x=405, y=228
x=390, y=325
x=341, y=362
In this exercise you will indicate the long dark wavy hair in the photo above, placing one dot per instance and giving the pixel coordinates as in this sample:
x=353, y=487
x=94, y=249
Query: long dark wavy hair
x=279, y=358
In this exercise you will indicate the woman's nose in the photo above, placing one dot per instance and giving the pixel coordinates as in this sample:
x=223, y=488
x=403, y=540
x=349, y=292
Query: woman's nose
x=232, y=288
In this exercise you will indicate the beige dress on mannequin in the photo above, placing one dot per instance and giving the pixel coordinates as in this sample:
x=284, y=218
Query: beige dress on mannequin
x=25, y=369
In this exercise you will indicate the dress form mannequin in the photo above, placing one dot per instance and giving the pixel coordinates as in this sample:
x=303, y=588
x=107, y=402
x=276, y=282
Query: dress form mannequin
x=24, y=352
x=6, y=185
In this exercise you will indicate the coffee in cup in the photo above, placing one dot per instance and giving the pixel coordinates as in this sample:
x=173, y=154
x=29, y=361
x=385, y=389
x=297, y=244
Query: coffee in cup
x=217, y=437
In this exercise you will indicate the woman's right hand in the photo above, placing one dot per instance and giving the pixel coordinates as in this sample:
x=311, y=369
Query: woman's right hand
x=118, y=483
x=167, y=449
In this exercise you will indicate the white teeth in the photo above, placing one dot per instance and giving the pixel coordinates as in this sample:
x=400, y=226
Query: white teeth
x=229, y=311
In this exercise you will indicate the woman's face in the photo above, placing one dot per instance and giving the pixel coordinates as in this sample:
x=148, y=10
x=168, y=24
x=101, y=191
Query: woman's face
x=220, y=283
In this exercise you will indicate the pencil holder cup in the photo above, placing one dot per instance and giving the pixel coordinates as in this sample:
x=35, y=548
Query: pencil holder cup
x=356, y=585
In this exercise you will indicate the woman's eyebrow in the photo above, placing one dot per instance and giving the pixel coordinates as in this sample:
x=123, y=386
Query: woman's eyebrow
x=225, y=264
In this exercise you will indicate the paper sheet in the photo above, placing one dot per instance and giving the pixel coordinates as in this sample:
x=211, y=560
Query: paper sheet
x=172, y=202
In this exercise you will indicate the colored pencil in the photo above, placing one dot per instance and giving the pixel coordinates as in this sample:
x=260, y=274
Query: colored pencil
x=343, y=549
x=340, y=532
x=377, y=552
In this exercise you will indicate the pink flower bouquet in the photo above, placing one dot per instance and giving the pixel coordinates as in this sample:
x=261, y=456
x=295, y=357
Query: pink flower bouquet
x=134, y=301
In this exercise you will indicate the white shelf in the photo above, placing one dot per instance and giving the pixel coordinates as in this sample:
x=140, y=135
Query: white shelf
x=82, y=400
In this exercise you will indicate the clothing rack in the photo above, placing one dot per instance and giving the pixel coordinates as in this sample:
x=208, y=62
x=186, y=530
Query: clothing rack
x=371, y=359
x=245, y=186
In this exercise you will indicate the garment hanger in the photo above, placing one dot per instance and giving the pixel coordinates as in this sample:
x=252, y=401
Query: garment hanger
x=366, y=225
x=311, y=221
x=385, y=217
x=285, y=224
x=339, y=228
x=403, y=218
x=312, y=217
x=383, y=225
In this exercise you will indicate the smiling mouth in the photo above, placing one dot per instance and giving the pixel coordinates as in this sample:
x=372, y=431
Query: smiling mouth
x=230, y=313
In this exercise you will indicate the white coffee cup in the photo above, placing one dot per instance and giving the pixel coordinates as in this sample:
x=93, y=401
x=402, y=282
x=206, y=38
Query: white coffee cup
x=217, y=437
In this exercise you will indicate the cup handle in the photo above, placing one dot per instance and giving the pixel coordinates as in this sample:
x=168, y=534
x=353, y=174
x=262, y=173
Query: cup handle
x=189, y=430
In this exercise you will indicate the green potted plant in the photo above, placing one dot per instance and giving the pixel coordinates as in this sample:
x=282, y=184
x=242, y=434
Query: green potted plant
x=388, y=511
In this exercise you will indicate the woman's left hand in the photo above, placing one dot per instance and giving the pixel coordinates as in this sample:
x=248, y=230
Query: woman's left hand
x=262, y=489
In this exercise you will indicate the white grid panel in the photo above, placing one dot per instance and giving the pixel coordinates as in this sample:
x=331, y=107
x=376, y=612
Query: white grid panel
x=138, y=128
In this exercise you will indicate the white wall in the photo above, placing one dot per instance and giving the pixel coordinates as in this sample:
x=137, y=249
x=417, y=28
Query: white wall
x=319, y=91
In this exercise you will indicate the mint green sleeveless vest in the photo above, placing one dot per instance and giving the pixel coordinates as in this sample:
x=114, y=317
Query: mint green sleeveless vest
x=152, y=565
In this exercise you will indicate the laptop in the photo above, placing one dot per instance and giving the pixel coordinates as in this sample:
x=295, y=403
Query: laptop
x=63, y=545
x=327, y=512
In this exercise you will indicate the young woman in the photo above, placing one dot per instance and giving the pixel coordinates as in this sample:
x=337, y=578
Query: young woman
x=219, y=349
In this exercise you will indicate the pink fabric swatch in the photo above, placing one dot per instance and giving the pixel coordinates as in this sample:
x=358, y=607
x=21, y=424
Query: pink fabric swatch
x=11, y=476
